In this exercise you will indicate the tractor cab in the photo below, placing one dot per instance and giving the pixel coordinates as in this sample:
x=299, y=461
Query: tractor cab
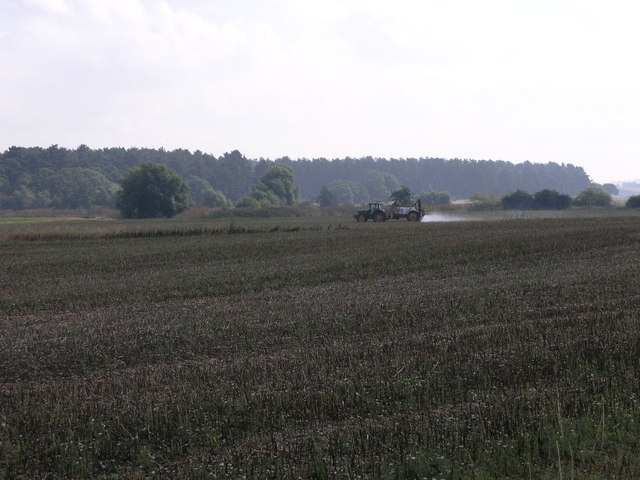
x=375, y=213
x=374, y=207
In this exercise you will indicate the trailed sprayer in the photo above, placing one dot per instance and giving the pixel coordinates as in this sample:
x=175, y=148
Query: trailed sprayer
x=379, y=212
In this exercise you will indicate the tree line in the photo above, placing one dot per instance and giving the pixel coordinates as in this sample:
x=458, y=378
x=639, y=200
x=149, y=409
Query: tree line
x=57, y=177
x=592, y=196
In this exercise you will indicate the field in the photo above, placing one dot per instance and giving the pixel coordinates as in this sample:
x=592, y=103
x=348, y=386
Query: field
x=320, y=348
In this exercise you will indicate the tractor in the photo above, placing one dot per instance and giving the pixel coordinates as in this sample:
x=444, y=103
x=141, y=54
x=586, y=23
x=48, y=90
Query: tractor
x=377, y=212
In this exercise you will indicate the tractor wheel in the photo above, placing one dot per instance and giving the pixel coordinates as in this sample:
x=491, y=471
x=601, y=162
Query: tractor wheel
x=412, y=217
x=362, y=217
x=379, y=217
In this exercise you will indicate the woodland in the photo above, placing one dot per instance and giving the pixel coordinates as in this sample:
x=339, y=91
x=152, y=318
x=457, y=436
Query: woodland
x=58, y=177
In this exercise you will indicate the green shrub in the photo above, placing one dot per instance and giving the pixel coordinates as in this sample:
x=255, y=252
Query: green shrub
x=214, y=198
x=518, y=200
x=551, y=200
x=594, y=196
x=275, y=188
x=153, y=190
x=633, y=202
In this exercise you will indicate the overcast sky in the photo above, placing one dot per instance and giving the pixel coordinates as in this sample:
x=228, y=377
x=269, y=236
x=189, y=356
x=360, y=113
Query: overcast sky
x=515, y=80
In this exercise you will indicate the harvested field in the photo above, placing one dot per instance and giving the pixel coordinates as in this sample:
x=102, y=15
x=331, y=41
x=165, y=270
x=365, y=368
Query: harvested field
x=291, y=349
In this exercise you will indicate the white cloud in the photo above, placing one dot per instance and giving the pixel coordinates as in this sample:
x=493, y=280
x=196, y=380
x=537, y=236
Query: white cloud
x=139, y=61
x=51, y=6
x=497, y=79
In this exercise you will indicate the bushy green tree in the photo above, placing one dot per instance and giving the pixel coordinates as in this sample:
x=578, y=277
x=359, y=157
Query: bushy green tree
x=432, y=197
x=275, y=188
x=326, y=198
x=633, y=202
x=551, y=200
x=211, y=197
x=153, y=190
x=197, y=187
x=279, y=179
x=594, y=196
x=518, y=200
x=402, y=197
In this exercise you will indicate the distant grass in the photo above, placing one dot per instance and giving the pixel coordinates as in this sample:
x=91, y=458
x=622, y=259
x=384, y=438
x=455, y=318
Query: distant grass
x=31, y=220
x=300, y=349
x=97, y=212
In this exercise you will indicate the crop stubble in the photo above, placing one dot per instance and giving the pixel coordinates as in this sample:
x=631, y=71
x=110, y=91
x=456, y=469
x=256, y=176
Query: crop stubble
x=469, y=350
